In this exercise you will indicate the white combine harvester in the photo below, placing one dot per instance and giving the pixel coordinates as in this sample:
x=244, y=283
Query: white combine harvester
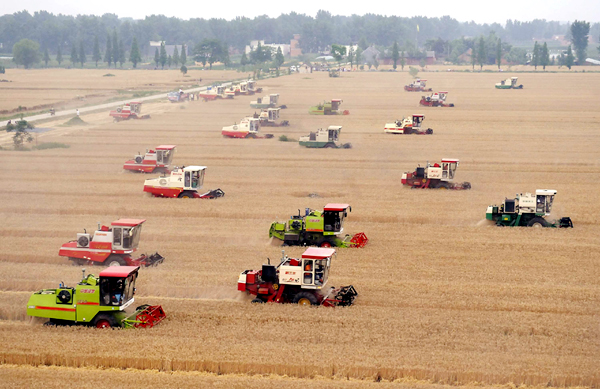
x=247, y=128
x=182, y=183
x=408, y=125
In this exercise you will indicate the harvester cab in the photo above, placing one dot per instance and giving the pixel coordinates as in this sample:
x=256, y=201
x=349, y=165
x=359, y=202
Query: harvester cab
x=110, y=246
x=527, y=210
x=252, y=88
x=183, y=183
x=97, y=301
x=300, y=281
x=436, y=176
x=159, y=159
x=244, y=87
x=324, y=229
x=334, y=73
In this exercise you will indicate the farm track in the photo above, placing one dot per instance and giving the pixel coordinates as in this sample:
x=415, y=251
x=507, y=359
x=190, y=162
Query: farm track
x=444, y=299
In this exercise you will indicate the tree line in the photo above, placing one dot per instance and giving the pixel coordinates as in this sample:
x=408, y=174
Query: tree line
x=318, y=33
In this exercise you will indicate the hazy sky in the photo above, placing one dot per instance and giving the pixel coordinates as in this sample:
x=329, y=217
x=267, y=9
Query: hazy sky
x=462, y=10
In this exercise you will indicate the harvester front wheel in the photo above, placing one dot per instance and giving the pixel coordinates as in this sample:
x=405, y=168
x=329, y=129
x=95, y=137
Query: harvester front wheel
x=257, y=301
x=186, y=195
x=537, y=222
x=115, y=260
x=305, y=298
x=104, y=320
x=326, y=243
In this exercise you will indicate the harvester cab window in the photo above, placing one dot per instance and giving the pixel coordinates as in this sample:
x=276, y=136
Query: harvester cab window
x=332, y=221
x=335, y=105
x=159, y=156
x=541, y=204
x=417, y=121
x=452, y=169
x=320, y=272
x=333, y=135
x=127, y=237
x=188, y=179
x=445, y=169
x=117, y=236
x=308, y=267
x=134, y=234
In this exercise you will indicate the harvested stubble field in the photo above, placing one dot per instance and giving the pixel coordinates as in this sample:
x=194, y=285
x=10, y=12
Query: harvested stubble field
x=443, y=297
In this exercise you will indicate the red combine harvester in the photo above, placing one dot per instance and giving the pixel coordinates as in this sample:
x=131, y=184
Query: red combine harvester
x=435, y=176
x=183, y=183
x=418, y=86
x=437, y=99
x=298, y=281
x=132, y=110
x=157, y=160
x=110, y=246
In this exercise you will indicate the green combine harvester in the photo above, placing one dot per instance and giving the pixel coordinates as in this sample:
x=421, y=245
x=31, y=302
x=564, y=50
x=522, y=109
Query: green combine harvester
x=527, y=210
x=318, y=228
x=328, y=108
x=96, y=301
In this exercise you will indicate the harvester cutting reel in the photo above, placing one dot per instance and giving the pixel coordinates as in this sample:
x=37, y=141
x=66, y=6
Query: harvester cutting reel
x=212, y=194
x=342, y=297
x=145, y=316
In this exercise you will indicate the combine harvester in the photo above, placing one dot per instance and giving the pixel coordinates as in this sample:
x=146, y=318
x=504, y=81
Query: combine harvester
x=131, y=110
x=96, y=301
x=269, y=101
x=409, y=125
x=182, y=183
x=324, y=138
x=214, y=92
x=110, y=246
x=328, y=108
x=437, y=99
x=435, y=176
x=248, y=128
x=157, y=160
x=316, y=228
x=335, y=73
x=527, y=210
x=268, y=118
x=252, y=88
x=417, y=86
x=509, y=83
x=298, y=281
x=178, y=97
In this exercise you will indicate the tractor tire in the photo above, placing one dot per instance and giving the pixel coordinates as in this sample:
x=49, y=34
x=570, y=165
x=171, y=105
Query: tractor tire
x=257, y=301
x=186, y=195
x=305, y=298
x=329, y=146
x=114, y=260
x=326, y=243
x=104, y=320
x=537, y=222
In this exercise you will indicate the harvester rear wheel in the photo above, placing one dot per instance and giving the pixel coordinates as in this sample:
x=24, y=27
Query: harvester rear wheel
x=115, y=260
x=537, y=222
x=326, y=243
x=305, y=298
x=186, y=195
x=257, y=301
x=104, y=320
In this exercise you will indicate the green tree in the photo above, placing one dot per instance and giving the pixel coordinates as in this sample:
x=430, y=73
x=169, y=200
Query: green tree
x=499, y=53
x=279, y=58
x=59, y=57
x=260, y=55
x=535, y=57
x=134, y=54
x=122, y=57
x=359, y=52
x=163, y=54
x=74, y=56
x=82, y=58
x=46, y=56
x=569, y=60
x=96, y=56
x=402, y=59
x=579, y=39
x=115, y=47
x=183, y=56
x=26, y=52
x=169, y=61
x=175, y=56
x=211, y=51
x=244, y=60
x=156, y=57
x=473, y=57
x=395, y=54
x=183, y=69
x=481, y=53
x=351, y=56
x=108, y=53
x=21, y=129
x=338, y=52
x=544, y=56
x=362, y=43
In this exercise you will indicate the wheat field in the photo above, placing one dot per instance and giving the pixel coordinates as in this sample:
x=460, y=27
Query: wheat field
x=444, y=298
